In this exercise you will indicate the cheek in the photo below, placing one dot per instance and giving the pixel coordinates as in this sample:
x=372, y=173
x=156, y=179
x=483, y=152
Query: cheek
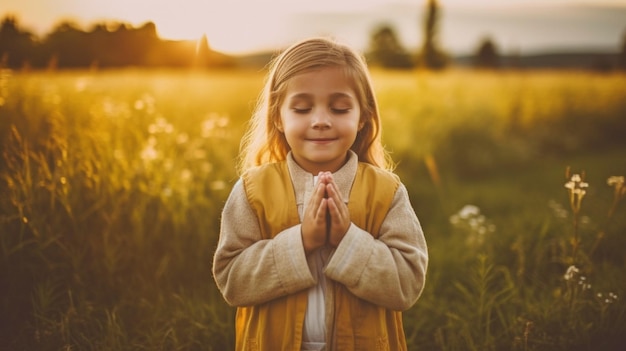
x=359, y=121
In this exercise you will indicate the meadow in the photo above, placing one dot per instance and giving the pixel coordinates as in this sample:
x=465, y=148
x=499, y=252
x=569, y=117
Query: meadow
x=112, y=183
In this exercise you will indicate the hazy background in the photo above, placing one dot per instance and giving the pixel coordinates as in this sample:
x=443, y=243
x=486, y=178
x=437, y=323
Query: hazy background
x=120, y=130
x=237, y=27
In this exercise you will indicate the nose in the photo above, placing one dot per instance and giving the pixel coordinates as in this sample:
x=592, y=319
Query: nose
x=321, y=119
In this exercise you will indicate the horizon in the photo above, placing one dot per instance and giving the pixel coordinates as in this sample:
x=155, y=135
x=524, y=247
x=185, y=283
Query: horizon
x=516, y=26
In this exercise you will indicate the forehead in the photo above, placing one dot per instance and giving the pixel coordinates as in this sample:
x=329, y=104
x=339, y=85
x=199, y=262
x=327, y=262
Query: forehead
x=322, y=81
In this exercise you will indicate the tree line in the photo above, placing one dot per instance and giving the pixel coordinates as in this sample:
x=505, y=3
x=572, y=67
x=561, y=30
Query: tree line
x=386, y=50
x=122, y=45
x=104, y=45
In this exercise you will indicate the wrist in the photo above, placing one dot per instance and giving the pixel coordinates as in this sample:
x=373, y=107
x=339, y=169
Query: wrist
x=309, y=245
x=335, y=239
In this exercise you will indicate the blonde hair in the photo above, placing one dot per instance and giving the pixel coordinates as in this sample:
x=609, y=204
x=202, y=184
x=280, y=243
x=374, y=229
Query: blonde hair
x=264, y=143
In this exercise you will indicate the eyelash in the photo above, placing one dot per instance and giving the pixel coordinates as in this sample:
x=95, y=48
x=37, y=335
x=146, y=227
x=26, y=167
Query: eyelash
x=334, y=110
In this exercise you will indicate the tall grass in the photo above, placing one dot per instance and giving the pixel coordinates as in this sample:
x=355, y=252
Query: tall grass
x=112, y=184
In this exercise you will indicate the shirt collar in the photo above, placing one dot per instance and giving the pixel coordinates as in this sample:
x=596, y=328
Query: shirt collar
x=344, y=177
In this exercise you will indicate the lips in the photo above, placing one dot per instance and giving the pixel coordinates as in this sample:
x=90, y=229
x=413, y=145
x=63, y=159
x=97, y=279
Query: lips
x=321, y=140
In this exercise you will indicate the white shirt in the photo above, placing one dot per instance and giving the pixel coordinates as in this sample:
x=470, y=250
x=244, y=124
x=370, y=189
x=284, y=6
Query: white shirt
x=314, y=330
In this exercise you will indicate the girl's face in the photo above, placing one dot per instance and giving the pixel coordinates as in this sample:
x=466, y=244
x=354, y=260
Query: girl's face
x=320, y=117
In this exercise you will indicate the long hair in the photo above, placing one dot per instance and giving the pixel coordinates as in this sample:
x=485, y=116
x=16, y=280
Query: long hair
x=264, y=143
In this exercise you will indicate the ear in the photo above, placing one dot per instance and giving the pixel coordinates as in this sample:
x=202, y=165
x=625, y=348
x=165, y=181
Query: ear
x=361, y=125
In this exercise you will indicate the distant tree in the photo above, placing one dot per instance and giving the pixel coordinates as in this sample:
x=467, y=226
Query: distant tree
x=68, y=46
x=431, y=55
x=203, y=53
x=147, y=40
x=385, y=49
x=622, y=56
x=114, y=44
x=125, y=51
x=134, y=44
x=16, y=45
x=104, y=45
x=487, y=54
x=101, y=45
x=148, y=31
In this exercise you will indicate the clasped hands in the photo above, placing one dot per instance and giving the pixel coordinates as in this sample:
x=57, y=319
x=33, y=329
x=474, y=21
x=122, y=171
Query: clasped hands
x=326, y=217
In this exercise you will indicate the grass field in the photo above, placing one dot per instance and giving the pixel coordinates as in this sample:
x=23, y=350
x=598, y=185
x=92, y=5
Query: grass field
x=112, y=183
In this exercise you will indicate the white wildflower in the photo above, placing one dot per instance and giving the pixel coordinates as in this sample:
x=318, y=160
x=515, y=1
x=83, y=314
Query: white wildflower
x=570, y=273
x=469, y=211
x=617, y=181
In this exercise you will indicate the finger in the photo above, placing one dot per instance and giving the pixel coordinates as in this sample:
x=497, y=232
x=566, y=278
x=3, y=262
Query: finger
x=330, y=181
x=315, y=234
x=321, y=177
x=316, y=199
x=338, y=224
x=333, y=193
x=325, y=177
x=335, y=215
x=322, y=209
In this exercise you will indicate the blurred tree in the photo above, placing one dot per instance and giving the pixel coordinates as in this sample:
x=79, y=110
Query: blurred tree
x=622, y=56
x=16, y=45
x=114, y=44
x=121, y=47
x=67, y=46
x=487, y=54
x=147, y=40
x=385, y=49
x=431, y=56
x=100, y=43
x=118, y=44
x=134, y=44
x=104, y=45
x=203, y=53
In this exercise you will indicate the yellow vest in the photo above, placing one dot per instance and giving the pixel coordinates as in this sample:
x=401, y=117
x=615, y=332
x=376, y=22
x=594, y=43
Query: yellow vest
x=357, y=324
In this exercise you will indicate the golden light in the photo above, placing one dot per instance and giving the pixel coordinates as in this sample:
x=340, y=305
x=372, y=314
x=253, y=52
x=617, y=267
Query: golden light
x=230, y=26
x=182, y=19
x=237, y=26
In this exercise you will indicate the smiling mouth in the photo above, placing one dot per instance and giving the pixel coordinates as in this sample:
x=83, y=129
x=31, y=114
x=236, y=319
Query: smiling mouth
x=321, y=140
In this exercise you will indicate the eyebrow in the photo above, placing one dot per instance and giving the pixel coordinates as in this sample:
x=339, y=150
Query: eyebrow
x=332, y=96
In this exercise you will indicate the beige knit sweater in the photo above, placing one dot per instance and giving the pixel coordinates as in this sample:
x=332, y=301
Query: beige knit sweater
x=388, y=271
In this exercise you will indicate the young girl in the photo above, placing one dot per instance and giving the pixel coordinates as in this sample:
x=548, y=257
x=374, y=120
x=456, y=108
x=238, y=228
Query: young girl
x=319, y=247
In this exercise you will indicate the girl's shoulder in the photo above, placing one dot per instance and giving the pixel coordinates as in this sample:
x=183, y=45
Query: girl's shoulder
x=370, y=171
x=266, y=179
x=264, y=170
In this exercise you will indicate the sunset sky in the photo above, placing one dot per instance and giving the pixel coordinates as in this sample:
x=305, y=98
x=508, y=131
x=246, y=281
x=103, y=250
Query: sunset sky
x=238, y=26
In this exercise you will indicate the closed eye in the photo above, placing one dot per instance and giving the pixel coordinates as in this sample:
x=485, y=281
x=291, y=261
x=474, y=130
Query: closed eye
x=340, y=110
x=301, y=110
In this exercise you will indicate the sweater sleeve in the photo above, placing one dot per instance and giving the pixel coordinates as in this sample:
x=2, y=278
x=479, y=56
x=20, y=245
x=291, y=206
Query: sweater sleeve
x=389, y=271
x=249, y=270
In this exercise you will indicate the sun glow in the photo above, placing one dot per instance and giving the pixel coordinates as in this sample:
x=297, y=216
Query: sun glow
x=230, y=26
x=239, y=26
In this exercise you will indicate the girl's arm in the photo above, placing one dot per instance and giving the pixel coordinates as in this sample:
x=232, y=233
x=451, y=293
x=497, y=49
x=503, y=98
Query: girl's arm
x=249, y=270
x=388, y=271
